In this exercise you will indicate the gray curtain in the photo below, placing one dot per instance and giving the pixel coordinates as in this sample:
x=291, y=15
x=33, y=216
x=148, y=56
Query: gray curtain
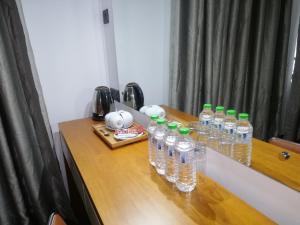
x=31, y=185
x=292, y=119
x=231, y=53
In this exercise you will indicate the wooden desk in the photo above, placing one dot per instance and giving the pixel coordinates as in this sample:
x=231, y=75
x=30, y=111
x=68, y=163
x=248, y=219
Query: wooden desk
x=264, y=157
x=124, y=189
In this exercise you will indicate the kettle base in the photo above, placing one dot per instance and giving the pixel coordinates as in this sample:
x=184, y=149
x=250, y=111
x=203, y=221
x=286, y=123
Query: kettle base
x=97, y=117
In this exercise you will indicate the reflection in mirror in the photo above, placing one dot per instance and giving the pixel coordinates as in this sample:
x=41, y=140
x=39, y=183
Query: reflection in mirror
x=239, y=56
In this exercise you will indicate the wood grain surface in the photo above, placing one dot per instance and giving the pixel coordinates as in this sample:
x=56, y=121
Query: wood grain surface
x=125, y=189
x=265, y=157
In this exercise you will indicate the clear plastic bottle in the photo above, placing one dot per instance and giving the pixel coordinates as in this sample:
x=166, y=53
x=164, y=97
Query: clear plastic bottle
x=170, y=140
x=243, y=141
x=185, y=161
x=200, y=157
x=151, y=147
x=205, y=119
x=159, y=134
x=200, y=148
x=228, y=135
x=216, y=129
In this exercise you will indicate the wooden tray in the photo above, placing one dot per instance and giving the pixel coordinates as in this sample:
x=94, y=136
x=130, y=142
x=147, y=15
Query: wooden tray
x=111, y=141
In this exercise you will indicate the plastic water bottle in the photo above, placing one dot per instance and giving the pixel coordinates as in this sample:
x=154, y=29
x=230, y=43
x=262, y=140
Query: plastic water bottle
x=228, y=135
x=200, y=148
x=159, y=134
x=216, y=129
x=170, y=140
x=200, y=157
x=185, y=161
x=205, y=119
x=150, y=129
x=243, y=141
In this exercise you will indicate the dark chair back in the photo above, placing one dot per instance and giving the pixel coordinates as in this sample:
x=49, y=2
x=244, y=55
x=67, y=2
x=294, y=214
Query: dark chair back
x=55, y=219
x=289, y=145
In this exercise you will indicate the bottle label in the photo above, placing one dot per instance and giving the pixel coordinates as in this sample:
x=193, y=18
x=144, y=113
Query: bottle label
x=152, y=141
x=220, y=126
x=205, y=119
x=219, y=120
x=170, y=150
x=218, y=123
x=151, y=129
x=243, y=136
x=243, y=133
x=229, y=128
x=159, y=146
x=183, y=157
x=242, y=130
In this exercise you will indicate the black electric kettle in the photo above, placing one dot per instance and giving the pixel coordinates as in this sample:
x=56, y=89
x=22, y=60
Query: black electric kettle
x=102, y=102
x=133, y=96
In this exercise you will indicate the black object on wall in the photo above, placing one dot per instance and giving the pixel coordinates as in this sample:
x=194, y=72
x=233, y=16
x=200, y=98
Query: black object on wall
x=105, y=16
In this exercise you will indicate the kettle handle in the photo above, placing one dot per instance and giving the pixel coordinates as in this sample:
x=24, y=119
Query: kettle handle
x=140, y=99
x=106, y=100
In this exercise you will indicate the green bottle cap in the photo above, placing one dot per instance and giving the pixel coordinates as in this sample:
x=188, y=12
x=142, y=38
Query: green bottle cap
x=207, y=106
x=219, y=108
x=172, y=126
x=154, y=117
x=230, y=112
x=160, y=121
x=243, y=116
x=184, y=130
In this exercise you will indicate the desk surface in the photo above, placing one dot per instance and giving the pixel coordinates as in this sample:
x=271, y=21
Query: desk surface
x=125, y=189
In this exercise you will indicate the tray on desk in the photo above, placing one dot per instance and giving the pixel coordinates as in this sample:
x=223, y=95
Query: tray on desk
x=113, y=143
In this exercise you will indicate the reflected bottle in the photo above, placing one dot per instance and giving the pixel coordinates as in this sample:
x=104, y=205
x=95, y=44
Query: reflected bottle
x=228, y=135
x=151, y=147
x=205, y=121
x=216, y=129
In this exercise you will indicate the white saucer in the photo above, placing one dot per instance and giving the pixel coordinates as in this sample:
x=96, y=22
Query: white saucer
x=113, y=129
x=119, y=138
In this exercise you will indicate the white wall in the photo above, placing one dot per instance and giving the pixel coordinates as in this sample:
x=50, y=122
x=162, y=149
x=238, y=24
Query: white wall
x=142, y=44
x=68, y=46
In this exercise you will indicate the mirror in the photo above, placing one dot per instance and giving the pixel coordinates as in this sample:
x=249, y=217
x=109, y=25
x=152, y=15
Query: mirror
x=145, y=48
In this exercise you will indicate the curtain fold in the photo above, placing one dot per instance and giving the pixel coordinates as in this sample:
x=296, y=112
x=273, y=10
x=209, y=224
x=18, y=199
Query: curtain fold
x=31, y=183
x=292, y=119
x=231, y=53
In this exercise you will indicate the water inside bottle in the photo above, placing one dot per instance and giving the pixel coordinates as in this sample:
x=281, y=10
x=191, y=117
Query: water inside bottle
x=151, y=147
x=243, y=143
x=170, y=159
x=228, y=136
x=185, y=166
x=216, y=131
x=160, y=163
x=200, y=157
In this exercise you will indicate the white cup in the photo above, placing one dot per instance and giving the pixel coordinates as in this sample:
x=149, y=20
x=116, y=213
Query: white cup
x=127, y=118
x=114, y=120
x=159, y=111
x=144, y=109
x=155, y=109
